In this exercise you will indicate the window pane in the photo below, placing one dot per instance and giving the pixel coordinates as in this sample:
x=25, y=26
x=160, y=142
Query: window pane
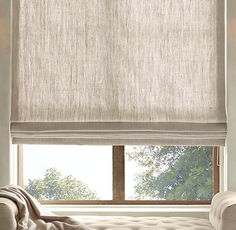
x=57, y=172
x=169, y=172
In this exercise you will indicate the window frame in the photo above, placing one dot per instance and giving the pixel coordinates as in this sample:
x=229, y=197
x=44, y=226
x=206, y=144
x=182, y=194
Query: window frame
x=118, y=182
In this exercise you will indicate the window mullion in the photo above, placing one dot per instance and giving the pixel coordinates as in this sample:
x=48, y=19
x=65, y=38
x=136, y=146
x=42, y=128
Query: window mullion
x=215, y=151
x=118, y=173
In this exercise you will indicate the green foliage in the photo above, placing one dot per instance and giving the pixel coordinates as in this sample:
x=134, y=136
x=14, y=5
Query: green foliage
x=173, y=172
x=56, y=187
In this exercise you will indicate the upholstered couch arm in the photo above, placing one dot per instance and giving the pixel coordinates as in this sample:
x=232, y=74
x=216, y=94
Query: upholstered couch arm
x=223, y=211
x=8, y=214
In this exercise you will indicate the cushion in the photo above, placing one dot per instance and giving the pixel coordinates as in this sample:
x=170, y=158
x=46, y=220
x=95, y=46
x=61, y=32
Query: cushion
x=145, y=223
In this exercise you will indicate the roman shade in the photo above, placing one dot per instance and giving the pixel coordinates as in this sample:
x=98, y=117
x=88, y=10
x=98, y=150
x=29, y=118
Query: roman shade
x=118, y=72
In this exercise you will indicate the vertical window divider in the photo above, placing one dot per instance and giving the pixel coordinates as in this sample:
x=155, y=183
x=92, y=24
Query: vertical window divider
x=118, y=182
x=216, y=170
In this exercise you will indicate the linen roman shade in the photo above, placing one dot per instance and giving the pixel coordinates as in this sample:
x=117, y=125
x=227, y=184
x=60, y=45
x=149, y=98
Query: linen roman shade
x=118, y=72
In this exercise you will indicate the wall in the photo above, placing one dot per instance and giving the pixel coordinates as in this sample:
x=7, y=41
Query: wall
x=230, y=161
x=5, y=79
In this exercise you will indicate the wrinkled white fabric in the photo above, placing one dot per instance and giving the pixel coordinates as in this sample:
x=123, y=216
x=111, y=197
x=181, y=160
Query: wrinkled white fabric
x=32, y=216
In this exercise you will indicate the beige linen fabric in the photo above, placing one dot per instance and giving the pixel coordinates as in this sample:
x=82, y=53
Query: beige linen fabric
x=118, y=61
x=223, y=211
x=118, y=133
x=8, y=214
x=145, y=223
x=30, y=215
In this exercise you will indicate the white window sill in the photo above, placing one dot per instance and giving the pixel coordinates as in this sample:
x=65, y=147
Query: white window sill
x=200, y=211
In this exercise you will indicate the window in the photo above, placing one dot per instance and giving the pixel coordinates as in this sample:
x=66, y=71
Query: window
x=119, y=174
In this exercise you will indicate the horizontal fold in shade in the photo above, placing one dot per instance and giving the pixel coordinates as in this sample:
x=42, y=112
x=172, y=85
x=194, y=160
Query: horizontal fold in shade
x=118, y=72
x=119, y=133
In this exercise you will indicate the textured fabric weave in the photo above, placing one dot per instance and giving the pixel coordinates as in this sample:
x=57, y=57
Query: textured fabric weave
x=118, y=133
x=146, y=223
x=118, y=61
x=223, y=209
x=30, y=214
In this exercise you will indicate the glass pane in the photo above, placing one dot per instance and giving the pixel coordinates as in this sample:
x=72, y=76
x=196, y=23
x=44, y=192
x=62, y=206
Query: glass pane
x=169, y=173
x=65, y=172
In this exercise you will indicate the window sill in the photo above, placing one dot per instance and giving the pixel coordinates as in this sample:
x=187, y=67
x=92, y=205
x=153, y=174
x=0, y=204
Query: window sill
x=200, y=211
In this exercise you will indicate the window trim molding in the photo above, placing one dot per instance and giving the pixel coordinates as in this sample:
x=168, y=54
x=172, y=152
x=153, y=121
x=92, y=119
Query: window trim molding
x=200, y=211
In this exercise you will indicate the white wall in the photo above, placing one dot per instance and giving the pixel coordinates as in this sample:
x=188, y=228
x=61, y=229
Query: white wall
x=5, y=60
x=231, y=97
